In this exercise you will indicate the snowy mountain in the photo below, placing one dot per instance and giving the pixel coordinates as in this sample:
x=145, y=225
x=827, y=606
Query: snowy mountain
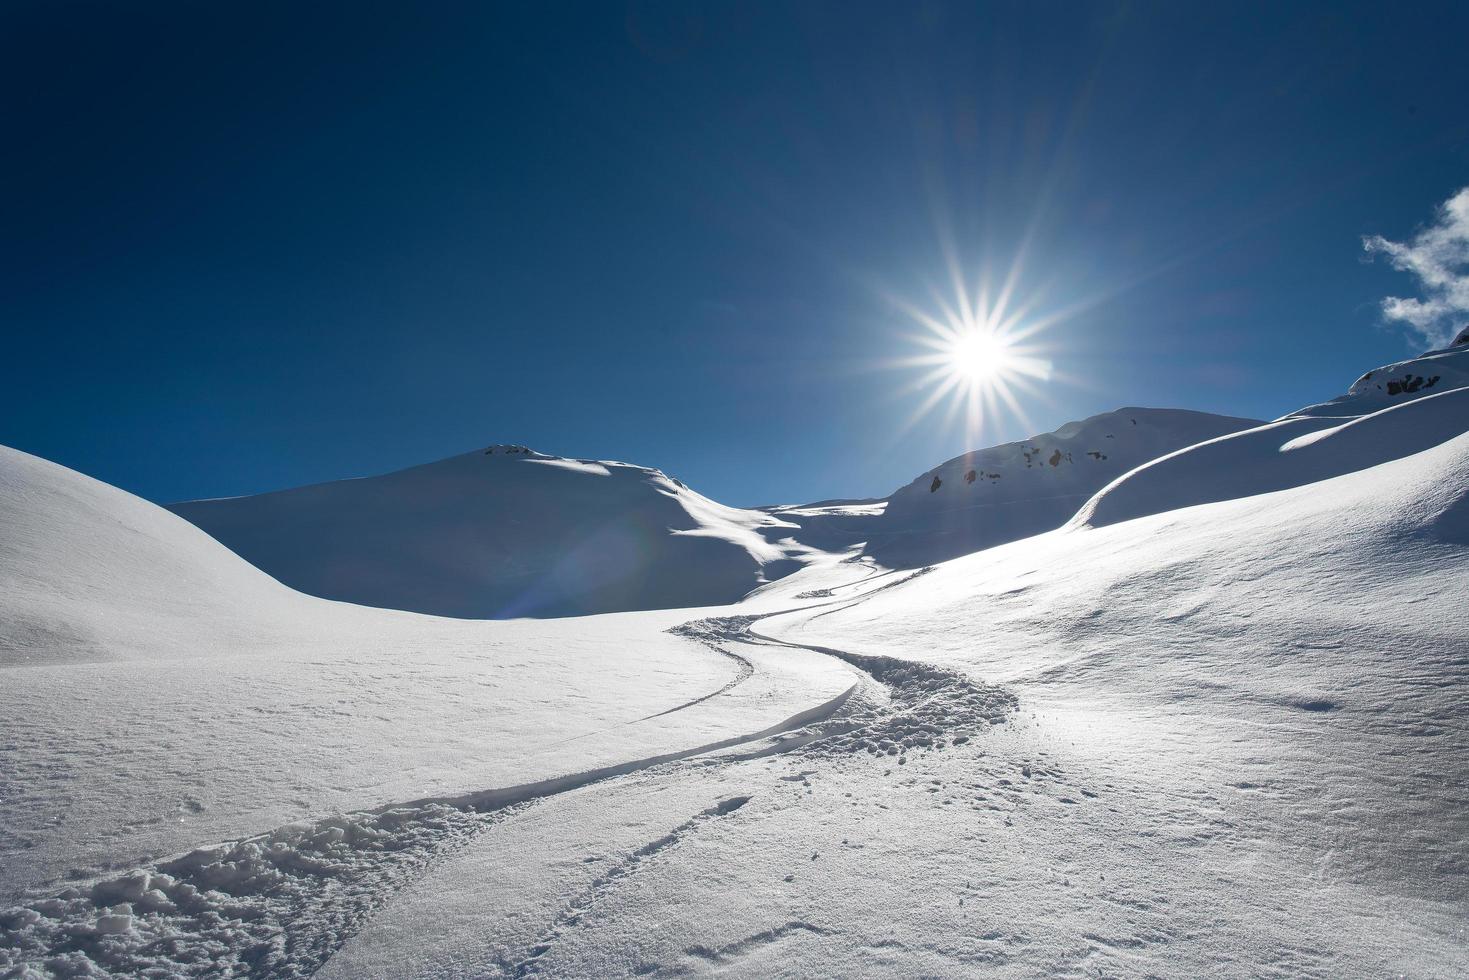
x=1239, y=749
x=1007, y=492
x=1401, y=381
x=506, y=532
x=1211, y=725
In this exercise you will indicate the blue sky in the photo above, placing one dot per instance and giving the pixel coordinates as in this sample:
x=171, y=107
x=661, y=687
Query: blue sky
x=254, y=245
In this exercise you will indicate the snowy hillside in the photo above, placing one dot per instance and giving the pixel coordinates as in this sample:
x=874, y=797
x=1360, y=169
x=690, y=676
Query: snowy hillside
x=1388, y=414
x=1239, y=751
x=1265, y=692
x=91, y=573
x=505, y=532
x=158, y=694
x=1401, y=381
x=1003, y=493
x=1213, y=725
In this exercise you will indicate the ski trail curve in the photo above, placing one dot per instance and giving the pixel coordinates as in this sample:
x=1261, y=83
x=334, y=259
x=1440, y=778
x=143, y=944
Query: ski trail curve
x=281, y=903
x=921, y=706
x=899, y=706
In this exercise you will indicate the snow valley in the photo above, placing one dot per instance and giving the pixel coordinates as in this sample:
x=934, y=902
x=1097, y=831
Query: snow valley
x=1159, y=693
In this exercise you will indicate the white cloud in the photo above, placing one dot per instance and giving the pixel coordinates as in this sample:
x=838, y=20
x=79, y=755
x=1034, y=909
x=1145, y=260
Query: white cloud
x=1438, y=255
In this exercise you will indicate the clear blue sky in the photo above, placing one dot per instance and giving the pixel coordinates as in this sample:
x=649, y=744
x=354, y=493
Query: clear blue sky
x=252, y=245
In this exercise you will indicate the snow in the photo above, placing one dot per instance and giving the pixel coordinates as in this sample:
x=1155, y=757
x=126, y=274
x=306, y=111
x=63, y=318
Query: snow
x=1364, y=428
x=506, y=532
x=1399, y=382
x=1003, y=493
x=1209, y=721
x=163, y=695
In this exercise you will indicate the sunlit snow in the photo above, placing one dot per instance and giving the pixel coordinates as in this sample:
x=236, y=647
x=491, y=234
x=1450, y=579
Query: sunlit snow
x=1159, y=693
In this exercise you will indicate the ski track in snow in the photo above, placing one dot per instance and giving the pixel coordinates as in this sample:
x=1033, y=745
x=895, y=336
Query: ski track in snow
x=746, y=671
x=280, y=904
x=925, y=706
x=578, y=906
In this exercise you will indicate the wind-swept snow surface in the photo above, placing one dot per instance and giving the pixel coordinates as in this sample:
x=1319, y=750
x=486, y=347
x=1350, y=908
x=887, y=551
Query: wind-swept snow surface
x=1240, y=751
x=506, y=532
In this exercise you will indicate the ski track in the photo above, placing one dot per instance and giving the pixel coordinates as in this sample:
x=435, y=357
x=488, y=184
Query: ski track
x=927, y=707
x=746, y=671
x=281, y=903
x=571, y=915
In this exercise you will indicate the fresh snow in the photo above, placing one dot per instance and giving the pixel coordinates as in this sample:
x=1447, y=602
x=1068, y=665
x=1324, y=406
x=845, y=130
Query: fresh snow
x=1209, y=721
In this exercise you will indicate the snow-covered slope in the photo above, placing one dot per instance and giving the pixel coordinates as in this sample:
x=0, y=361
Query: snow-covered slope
x=1214, y=726
x=1400, y=382
x=505, y=532
x=1388, y=414
x=1239, y=751
x=89, y=572
x=831, y=525
x=1245, y=738
x=1007, y=492
x=157, y=693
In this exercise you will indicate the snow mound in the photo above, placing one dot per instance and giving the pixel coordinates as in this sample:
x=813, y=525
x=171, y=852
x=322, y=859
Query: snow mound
x=506, y=532
x=1018, y=489
x=1388, y=414
x=91, y=572
x=225, y=910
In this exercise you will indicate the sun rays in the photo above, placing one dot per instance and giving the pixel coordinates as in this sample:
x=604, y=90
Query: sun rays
x=981, y=354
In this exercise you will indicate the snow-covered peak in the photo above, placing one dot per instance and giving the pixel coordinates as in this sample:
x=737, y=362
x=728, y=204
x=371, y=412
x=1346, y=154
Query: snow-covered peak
x=506, y=531
x=513, y=452
x=1392, y=384
x=1017, y=489
x=513, y=449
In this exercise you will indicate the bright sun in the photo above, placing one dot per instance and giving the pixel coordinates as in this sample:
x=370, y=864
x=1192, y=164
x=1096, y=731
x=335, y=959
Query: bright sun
x=980, y=356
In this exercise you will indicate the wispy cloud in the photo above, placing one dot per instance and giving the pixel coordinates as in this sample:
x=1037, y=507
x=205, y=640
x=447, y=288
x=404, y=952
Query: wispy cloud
x=1438, y=255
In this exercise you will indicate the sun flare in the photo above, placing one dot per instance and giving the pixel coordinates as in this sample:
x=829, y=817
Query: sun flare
x=980, y=356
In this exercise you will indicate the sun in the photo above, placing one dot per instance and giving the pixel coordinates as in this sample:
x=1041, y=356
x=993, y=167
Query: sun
x=980, y=356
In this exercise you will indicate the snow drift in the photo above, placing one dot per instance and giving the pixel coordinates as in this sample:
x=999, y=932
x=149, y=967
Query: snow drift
x=505, y=532
x=1267, y=632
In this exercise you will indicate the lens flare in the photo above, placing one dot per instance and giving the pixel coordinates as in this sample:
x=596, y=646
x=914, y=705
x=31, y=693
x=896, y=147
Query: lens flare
x=981, y=356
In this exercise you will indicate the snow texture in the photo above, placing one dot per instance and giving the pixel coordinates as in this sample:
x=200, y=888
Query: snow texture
x=1209, y=722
